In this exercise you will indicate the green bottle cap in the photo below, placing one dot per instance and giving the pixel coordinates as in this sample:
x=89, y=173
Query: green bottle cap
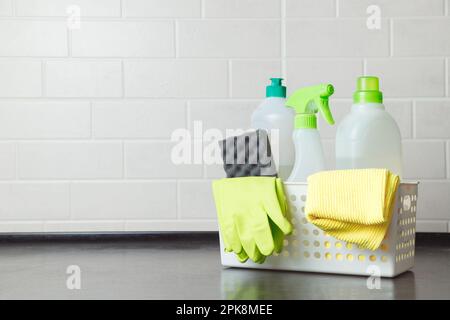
x=367, y=90
x=306, y=121
x=276, y=88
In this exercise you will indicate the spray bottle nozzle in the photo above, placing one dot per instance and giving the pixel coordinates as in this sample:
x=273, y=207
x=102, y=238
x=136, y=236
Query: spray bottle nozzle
x=276, y=88
x=307, y=101
x=329, y=90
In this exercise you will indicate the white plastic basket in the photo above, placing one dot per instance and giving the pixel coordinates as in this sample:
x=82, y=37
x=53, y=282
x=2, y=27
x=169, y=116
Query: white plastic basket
x=310, y=249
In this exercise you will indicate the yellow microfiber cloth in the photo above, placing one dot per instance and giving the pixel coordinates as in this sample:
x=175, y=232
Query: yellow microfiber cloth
x=352, y=205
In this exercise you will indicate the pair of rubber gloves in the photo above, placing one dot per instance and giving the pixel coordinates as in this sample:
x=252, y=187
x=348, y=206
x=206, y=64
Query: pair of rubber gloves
x=253, y=216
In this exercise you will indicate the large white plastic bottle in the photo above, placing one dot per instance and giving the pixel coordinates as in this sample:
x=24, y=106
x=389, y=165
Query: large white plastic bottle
x=273, y=116
x=309, y=155
x=369, y=137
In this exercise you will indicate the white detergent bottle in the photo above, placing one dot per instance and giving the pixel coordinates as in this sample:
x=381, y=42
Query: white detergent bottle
x=369, y=137
x=309, y=156
x=273, y=116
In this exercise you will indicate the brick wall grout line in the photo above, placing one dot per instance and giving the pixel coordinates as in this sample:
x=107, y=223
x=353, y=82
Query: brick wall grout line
x=391, y=37
x=69, y=43
x=447, y=157
x=122, y=78
x=124, y=161
x=212, y=58
x=197, y=99
x=43, y=78
x=177, y=201
x=446, y=74
x=175, y=38
x=413, y=124
x=14, y=8
x=124, y=175
x=251, y=19
x=188, y=115
x=203, y=9
x=91, y=120
x=229, y=78
x=16, y=160
x=70, y=200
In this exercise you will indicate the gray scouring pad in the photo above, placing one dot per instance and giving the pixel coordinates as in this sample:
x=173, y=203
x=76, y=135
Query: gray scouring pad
x=248, y=155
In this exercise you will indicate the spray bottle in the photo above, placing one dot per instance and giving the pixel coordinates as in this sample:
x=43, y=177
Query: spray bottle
x=309, y=156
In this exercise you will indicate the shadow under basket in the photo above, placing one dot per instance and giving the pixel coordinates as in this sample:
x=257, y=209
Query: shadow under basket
x=310, y=249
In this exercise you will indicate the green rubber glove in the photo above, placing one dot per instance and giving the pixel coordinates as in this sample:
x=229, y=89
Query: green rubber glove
x=278, y=234
x=252, y=213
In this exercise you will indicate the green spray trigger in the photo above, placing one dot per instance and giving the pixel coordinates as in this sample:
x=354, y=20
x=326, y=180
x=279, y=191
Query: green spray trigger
x=308, y=101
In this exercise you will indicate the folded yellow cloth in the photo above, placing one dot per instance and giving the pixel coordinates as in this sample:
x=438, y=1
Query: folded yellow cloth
x=352, y=205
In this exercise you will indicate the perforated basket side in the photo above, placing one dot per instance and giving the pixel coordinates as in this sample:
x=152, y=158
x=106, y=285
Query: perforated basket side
x=310, y=249
x=406, y=227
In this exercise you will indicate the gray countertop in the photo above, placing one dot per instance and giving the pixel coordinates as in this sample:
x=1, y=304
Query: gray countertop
x=186, y=266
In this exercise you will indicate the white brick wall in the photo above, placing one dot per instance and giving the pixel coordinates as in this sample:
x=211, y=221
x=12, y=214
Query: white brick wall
x=22, y=38
x=176, y=78
x=123, y=200
x=335, y=38
x=69, y=160
x=410, y=77
x=310, y=8
x=151, y=160
x=44, y=120
x=83, y=78
x=137, y=119
x=86, y=113
x=20, y=78
x=393, y=8
x=58, y=8
x=228, y=38
x=6, y=8
x=124, y=39
x=242, y=8
x=162, y=8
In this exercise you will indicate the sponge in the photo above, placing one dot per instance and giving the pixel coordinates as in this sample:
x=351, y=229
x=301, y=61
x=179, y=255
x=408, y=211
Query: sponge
x=248, y=154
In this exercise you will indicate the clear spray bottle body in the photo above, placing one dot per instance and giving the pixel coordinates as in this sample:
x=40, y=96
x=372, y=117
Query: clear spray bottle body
x=309, y=154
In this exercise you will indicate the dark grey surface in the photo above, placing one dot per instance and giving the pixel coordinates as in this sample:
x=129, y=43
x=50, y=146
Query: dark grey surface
x=188, y=267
